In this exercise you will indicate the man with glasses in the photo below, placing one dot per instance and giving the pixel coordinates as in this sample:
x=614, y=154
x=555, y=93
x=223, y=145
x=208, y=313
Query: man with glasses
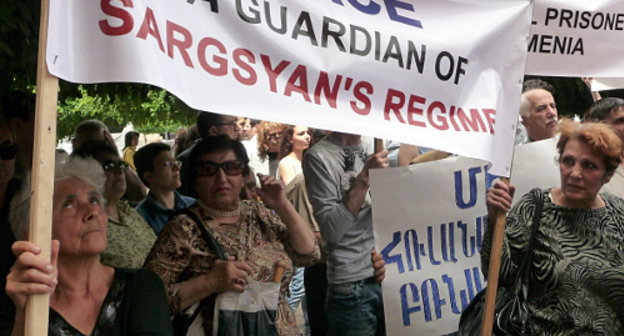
x=208, y=124
x=160, y=171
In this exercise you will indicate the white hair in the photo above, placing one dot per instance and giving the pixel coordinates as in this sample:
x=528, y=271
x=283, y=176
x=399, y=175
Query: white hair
x=87, y=170
x=525, y=106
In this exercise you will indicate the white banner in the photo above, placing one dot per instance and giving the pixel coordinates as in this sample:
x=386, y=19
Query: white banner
x=577, y=38
x=444, y=74
x=604, y=84
x=429, y=220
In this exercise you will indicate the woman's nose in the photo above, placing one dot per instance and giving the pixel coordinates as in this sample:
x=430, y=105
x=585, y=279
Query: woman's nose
x=90, y=216
x=221, y=175
x=576, y=171
x=90, y=211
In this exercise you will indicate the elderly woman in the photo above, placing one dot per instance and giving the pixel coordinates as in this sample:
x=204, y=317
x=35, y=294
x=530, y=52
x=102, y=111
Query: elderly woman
x=130, y=238
x=253, y=234
x=87, y=297
x=577, y=274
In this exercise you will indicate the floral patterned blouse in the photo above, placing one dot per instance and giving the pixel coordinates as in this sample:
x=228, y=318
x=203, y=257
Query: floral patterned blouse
x=129, y=239
x=259, y=240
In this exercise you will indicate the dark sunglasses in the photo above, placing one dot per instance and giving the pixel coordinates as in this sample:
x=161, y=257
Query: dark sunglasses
x=111, y=165
x=209, y=168
x=8, y=152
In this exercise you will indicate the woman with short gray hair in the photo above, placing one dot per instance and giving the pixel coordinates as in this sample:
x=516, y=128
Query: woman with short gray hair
x=86, y=297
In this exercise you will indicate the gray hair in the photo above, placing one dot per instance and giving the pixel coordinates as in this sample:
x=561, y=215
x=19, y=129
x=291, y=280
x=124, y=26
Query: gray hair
x=529, y=85
x=525, y=106
x=87, y=170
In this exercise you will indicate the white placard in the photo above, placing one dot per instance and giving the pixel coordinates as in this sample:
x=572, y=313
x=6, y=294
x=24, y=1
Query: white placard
x=577, y=38
x=429, y=220
x=604, y=84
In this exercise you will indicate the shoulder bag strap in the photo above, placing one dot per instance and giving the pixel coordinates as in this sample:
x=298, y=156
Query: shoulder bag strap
x=525, y=267
x=212, y=243
x=207, y=235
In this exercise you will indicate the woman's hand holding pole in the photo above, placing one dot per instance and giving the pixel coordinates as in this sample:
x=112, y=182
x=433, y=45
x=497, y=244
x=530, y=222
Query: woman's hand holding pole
x=30, y=275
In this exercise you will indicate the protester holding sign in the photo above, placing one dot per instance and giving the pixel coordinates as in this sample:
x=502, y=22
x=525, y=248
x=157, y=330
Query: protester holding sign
x=577, y=271
x=87, y=297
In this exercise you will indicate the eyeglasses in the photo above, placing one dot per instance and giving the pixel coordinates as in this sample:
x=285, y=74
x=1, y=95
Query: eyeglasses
x=111, y=165
x=209, y=168
x=8, y=152
x=173, y=163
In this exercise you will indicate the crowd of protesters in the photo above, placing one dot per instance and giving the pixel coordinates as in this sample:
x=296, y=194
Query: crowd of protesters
x=270, y=192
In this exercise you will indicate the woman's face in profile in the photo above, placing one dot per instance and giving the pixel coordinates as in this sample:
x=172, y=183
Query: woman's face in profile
x=301, y=138
x=582, y=172
x=78, y=218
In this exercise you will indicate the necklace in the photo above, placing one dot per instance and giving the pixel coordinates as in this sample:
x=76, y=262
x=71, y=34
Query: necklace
x=219, y=213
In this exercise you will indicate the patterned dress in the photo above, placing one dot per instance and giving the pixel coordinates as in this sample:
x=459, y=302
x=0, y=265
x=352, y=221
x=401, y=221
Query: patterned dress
x=259, y=240
x=577, y=275
x=129, y=239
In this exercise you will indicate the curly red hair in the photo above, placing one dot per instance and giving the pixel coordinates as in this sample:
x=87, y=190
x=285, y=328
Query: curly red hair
x=600, y=137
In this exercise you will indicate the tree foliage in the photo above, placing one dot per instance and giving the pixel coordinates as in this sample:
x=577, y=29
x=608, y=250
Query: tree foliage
x=149, y=109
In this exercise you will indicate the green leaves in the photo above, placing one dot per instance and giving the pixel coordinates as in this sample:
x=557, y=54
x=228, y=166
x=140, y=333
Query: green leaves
x=149, y=109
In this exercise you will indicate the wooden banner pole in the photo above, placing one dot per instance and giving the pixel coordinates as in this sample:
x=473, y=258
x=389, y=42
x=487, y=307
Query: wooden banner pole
x=378, y=145
x=42, y=182
x=494, y=271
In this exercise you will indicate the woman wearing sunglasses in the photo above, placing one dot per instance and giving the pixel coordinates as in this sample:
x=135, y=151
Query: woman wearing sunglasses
x=254, y=235
x=130, y=238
